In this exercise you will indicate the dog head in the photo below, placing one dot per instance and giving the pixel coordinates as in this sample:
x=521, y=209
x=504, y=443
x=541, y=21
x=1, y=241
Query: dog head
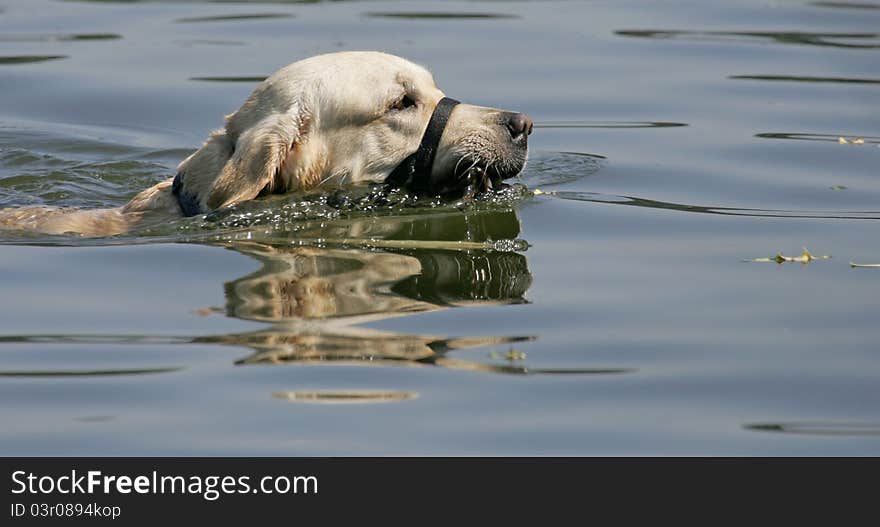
x=344, y=118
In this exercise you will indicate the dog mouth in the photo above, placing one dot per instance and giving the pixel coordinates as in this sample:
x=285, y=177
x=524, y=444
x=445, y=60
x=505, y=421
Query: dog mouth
x=480, y=177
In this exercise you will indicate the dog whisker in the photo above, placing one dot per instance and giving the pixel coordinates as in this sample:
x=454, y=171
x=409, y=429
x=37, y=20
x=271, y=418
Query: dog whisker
x=458, y=164
x=326, y=179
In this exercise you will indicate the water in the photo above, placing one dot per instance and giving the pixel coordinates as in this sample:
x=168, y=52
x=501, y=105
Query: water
x=612, y=312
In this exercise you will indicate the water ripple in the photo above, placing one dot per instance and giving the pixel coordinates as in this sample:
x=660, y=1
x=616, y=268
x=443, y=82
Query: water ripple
x=607, y=124
x=284, y=345
x=845, y=5
x=87, y=373
x=805, y=78
x=830, y=138
x=254, y=79
x=345, y=396
x=595, y=197
x=437, y=15
x=546, y=169
x=233, y=18
x=818, y=428
x=58, y=37
x=73, y=184
x=838, y=40
x=28, y=59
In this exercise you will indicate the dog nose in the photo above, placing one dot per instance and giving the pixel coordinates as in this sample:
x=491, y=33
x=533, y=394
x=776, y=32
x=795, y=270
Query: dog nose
x=519, y=124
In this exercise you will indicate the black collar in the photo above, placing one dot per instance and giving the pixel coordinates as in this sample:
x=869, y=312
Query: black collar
x=416, y=169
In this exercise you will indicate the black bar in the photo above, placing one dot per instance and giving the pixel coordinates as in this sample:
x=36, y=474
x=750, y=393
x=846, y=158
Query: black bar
x=414, y=490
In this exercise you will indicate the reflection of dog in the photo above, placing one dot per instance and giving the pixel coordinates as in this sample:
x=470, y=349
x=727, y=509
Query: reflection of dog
x=315, y=296
x=305, y=283
x=331, y=119
x=308, y=283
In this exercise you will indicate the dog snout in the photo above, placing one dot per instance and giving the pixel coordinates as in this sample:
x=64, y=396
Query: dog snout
x=518, y=124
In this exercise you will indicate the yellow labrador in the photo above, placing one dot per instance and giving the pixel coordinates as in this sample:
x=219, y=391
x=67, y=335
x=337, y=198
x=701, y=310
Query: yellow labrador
x=330, y=119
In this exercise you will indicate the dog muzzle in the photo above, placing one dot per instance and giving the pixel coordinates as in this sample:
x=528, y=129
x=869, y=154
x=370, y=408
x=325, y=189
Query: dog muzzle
x=415, y=170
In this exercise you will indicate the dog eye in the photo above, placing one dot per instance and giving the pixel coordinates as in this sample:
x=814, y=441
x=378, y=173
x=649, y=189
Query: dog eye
x=403, y=103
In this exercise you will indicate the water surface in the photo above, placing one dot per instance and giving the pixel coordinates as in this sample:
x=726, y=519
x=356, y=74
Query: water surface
x=605, y=304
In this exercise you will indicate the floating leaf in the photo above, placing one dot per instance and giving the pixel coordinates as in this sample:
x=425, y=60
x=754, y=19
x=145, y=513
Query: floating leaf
x=804, y=258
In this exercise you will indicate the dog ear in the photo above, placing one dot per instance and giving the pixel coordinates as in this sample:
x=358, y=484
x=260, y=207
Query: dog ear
x=257, y=156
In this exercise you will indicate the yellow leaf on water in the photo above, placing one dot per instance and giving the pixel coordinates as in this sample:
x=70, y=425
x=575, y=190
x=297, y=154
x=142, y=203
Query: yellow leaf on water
x=805, y=257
